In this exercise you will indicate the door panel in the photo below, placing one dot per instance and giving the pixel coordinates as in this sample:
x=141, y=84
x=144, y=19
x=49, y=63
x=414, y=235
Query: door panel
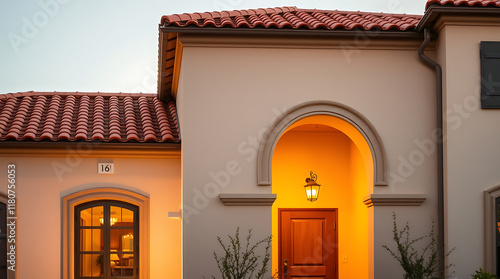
x=308, y=243
x=303, y=236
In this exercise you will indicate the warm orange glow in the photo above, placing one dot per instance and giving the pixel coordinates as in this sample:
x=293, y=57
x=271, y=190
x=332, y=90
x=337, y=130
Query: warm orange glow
x=129, y=235
x=343, y=161
x=312, y=194
x=112, y=220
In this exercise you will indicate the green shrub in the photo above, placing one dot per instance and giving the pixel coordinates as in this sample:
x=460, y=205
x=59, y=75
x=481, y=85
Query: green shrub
x=480, y=274
x=416, y=265
x=239, y=262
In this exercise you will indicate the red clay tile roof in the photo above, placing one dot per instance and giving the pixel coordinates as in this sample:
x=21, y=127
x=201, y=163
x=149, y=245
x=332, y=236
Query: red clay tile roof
x=293, y=18
x=70, y=116
x=481, y=3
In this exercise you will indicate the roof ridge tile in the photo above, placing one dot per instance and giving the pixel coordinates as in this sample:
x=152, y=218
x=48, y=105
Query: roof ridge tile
x=293, y=18
x=469, y=3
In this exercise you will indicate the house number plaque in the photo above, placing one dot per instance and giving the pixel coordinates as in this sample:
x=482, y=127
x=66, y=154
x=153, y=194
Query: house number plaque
x=105, y=168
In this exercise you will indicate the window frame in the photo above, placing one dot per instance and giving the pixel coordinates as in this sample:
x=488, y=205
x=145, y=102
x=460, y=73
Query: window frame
x=71, y=200
x=497, y=234
x=489, y=56
x=490, y=228
x=106, y=230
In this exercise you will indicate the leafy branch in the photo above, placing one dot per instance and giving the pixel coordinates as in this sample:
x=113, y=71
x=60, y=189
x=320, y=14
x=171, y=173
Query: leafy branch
x=240, y=262
x=417, y=265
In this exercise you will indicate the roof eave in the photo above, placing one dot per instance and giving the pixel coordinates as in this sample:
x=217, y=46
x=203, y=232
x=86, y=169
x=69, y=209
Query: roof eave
x=90, y=149
x=434, y=10
x=382, y=34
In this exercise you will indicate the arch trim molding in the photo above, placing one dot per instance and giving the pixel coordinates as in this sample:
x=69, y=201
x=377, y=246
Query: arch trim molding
x=313, y=108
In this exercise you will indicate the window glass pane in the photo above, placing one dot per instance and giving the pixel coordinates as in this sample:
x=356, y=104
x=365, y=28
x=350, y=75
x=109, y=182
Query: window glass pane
x=115, y=242
x=128, y=259
x=123, y=267
x=85, y=240
x=97, y=262
x=97, y=240
x=116, y=216
x=122, y=240
x=91, y=240
x=90, y=265
x=86, y=217
x=128, y=240
x=97, y=214
x=116, y=262
x=128, y=217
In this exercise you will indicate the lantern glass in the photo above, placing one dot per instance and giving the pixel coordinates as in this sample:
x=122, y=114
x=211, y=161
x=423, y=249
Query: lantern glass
x=312, y=191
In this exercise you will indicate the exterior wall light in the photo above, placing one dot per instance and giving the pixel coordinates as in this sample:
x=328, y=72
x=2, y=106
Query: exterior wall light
x=312, y=188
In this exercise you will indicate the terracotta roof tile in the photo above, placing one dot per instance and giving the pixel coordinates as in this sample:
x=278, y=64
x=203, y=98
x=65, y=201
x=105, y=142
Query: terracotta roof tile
x=87, y=116
x=480, y=3
x=293, y=18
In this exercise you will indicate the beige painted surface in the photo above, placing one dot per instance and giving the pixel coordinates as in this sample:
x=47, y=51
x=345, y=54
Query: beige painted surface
x=39, y=195
x=229, y=96
x=472, y=155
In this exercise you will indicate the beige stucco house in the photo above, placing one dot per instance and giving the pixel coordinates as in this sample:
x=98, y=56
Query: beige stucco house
x=391, y=113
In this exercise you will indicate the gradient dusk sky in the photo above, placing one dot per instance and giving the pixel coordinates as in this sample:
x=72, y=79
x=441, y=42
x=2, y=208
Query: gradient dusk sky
x=112, y=46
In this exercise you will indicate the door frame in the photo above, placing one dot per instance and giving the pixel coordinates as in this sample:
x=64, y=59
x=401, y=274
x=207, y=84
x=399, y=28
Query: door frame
x=280, y=238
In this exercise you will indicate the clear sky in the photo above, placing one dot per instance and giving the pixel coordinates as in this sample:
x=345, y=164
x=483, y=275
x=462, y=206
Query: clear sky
x=111, y=45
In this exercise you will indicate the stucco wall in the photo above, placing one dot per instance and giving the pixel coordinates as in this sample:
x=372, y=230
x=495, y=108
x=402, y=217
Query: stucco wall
x=472, y=155
x=229, y=96
x=40, y=191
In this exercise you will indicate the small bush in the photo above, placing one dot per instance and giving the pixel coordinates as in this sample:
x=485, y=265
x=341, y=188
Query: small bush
x=239, y=262
x=416, y=265
x=480, y=274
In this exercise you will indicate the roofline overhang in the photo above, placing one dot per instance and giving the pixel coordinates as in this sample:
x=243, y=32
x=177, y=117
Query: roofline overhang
x=323, y=33
x=84, y=149
x=434, y=11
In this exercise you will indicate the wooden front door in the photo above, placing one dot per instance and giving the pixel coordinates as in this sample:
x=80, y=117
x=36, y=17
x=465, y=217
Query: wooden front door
x=308, y=243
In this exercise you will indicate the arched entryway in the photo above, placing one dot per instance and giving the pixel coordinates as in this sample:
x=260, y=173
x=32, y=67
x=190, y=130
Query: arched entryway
x=343, y=148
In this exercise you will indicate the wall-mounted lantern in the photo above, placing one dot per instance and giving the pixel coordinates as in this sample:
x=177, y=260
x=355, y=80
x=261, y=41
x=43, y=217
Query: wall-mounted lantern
x=312, y=188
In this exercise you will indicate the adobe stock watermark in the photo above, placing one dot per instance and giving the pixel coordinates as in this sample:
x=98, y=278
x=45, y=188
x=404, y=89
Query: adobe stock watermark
x=395, y=6
x=11, y=217
x=148, y=82
x=220, y=5
x=424, y=148
x=363, y=38
x=220, y=179
x=73, y=159
x=31, y=26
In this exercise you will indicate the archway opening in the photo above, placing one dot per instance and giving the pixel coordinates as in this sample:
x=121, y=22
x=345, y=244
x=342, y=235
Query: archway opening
x=341, y=157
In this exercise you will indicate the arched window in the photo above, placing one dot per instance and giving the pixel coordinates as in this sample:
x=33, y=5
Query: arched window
x=106, y=240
